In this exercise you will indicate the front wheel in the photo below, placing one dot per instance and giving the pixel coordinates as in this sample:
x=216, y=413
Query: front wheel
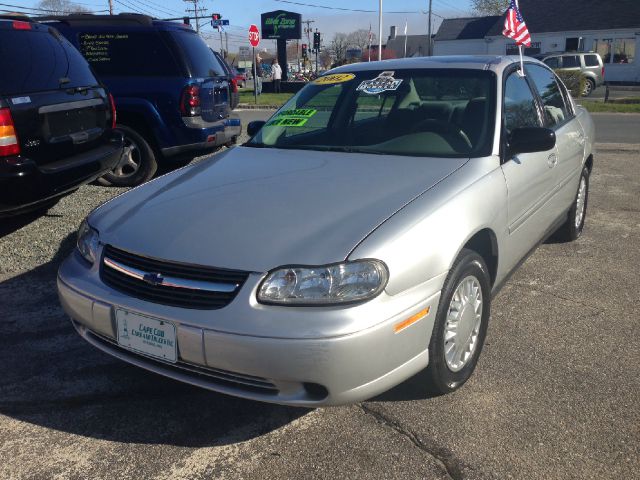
x=137, y=163
x=461, y=324
x=572, y=228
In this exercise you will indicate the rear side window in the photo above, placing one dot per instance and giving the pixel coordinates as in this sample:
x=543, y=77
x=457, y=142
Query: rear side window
x=555, y=109
x=200, y=59
x=128, y=54
x=591, y=61
x=553, y=62
x=39, y=60
x=570, y=61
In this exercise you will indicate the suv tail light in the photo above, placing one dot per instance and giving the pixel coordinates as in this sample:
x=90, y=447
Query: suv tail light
x=190, y=101
x=112, y=106
x=8, y=138
x=234, y=85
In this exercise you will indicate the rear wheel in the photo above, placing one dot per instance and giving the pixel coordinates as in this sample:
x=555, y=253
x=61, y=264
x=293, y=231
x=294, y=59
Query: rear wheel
x=461, y=324
x=572, y=228
x=589, y=87
x=137, y=163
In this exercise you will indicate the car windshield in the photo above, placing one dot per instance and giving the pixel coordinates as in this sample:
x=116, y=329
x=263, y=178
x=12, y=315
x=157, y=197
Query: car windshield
x=419, y=112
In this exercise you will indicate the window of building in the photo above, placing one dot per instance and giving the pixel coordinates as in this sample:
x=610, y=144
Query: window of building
x=624, y=50
x=555, y=109
x=616, y=50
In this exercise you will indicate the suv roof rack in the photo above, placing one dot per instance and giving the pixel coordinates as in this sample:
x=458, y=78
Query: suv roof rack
x=90, y=18
x=20, y=17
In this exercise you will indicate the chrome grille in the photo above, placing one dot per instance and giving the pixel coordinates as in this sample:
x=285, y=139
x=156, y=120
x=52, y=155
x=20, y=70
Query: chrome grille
x=170, y=283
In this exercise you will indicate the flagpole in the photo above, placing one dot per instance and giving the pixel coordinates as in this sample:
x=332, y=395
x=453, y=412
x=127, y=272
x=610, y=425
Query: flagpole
x=380, y=32
x=520, y=49
x=405, y=38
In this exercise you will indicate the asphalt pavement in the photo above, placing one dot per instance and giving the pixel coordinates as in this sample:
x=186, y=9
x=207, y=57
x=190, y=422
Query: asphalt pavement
x=554, y=395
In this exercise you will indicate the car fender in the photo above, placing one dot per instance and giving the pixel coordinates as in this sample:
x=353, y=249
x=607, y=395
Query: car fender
x=421, y=241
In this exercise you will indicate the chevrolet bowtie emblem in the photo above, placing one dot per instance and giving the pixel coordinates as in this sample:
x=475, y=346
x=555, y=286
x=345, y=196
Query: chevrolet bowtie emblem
x=153, y=279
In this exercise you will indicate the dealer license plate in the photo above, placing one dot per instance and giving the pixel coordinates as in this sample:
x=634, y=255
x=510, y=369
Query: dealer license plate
x=147, y=335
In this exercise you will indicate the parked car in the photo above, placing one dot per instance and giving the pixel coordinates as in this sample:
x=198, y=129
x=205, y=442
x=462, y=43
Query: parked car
x=56, y=120
x=589, y=63
x=241, y=76
x=231, y=78
x=355, y=240
x=171, y=92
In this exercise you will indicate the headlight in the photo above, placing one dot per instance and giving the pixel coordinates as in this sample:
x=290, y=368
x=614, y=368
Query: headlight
x=87, y=242
x=324, y=285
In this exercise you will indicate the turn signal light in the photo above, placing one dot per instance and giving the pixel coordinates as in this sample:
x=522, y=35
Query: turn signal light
x=8, y=139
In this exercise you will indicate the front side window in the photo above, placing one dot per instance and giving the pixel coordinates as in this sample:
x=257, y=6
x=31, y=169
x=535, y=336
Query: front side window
x=519, y=104
x=555, y=109
x=423, y=112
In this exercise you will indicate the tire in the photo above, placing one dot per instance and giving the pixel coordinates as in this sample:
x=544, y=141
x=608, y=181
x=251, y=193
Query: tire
x=589, y=87
x=450, y=367
x=572, y=228
x=138, y=162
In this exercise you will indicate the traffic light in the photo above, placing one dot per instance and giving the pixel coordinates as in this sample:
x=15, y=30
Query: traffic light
x=186, y=20
x=316, y=41
x=304, y=50
x=216, y=16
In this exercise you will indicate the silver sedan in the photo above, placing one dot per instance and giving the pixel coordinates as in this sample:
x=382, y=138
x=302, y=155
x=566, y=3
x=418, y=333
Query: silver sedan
x=356, y=240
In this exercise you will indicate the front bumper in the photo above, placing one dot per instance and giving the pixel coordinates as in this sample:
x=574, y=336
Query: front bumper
x=308, y=370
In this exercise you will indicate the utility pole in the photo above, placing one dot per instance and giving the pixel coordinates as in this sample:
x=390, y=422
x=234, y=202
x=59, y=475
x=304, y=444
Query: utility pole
x=226, y=42
x=429, y=35
x=197, y=12
x=110, y=7
x=307, y=30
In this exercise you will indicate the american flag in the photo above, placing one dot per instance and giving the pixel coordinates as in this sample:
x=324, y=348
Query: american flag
x=514, y=26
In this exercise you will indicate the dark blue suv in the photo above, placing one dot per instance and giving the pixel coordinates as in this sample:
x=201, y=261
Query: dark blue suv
x=171, y=93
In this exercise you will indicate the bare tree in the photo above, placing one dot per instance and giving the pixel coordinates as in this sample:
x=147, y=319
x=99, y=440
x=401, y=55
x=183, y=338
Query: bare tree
x=360, y=39
x=61, y=7
x=489, y=7
x=338, y=46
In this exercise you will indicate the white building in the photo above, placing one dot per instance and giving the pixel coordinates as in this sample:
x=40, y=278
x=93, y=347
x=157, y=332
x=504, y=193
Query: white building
x=610, y=28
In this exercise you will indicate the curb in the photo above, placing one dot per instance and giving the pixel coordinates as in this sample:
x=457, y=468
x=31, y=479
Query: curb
x=618, y=147
x=253, y=106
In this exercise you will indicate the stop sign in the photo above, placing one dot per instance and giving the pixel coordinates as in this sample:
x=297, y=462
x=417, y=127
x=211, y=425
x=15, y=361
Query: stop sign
x=254, y=36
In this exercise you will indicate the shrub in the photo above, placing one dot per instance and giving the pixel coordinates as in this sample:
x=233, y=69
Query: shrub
x=574, y=81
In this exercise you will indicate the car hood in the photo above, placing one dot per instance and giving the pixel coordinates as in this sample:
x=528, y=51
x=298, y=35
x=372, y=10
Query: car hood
x=255, y=209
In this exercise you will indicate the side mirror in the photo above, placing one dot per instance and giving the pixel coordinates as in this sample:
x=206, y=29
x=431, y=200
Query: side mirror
x=254, y=127
x=531, y=139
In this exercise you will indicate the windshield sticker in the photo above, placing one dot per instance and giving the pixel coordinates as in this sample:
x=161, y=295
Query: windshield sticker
x=382, y=83
x=298, y=112
x=334, y=78
x=287, y=122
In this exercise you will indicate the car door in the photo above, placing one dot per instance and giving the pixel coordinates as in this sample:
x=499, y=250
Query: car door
x=570, y=140
x=528, y=175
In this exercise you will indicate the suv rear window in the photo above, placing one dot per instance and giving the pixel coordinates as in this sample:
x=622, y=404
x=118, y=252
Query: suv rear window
x=200, y=59
x=127, y=54
x=37, y=60
x=591, y=61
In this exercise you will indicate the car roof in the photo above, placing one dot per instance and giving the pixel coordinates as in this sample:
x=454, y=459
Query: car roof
x=496, y=63
x=121, y=19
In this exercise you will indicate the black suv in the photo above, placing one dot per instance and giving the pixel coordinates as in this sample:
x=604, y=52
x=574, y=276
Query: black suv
x=172, y=93
x=56, y=121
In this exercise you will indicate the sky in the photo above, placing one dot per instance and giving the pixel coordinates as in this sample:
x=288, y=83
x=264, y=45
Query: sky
x=242, y=13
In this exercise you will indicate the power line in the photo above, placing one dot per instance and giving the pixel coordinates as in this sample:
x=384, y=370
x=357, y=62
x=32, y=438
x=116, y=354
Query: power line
x=159, y=10
x=126, y=5
x=39, y=9
x=341, y=8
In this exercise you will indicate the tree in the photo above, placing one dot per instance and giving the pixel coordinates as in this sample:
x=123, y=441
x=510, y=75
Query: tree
x=338, y=46
x=489, y=7
x=360, y=39
x=61, y=7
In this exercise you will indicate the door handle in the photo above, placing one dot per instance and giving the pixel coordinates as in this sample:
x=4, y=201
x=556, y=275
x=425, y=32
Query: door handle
x=552, y=161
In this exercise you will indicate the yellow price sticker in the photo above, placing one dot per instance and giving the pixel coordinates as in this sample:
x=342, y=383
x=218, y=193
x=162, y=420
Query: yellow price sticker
x=334, y=78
